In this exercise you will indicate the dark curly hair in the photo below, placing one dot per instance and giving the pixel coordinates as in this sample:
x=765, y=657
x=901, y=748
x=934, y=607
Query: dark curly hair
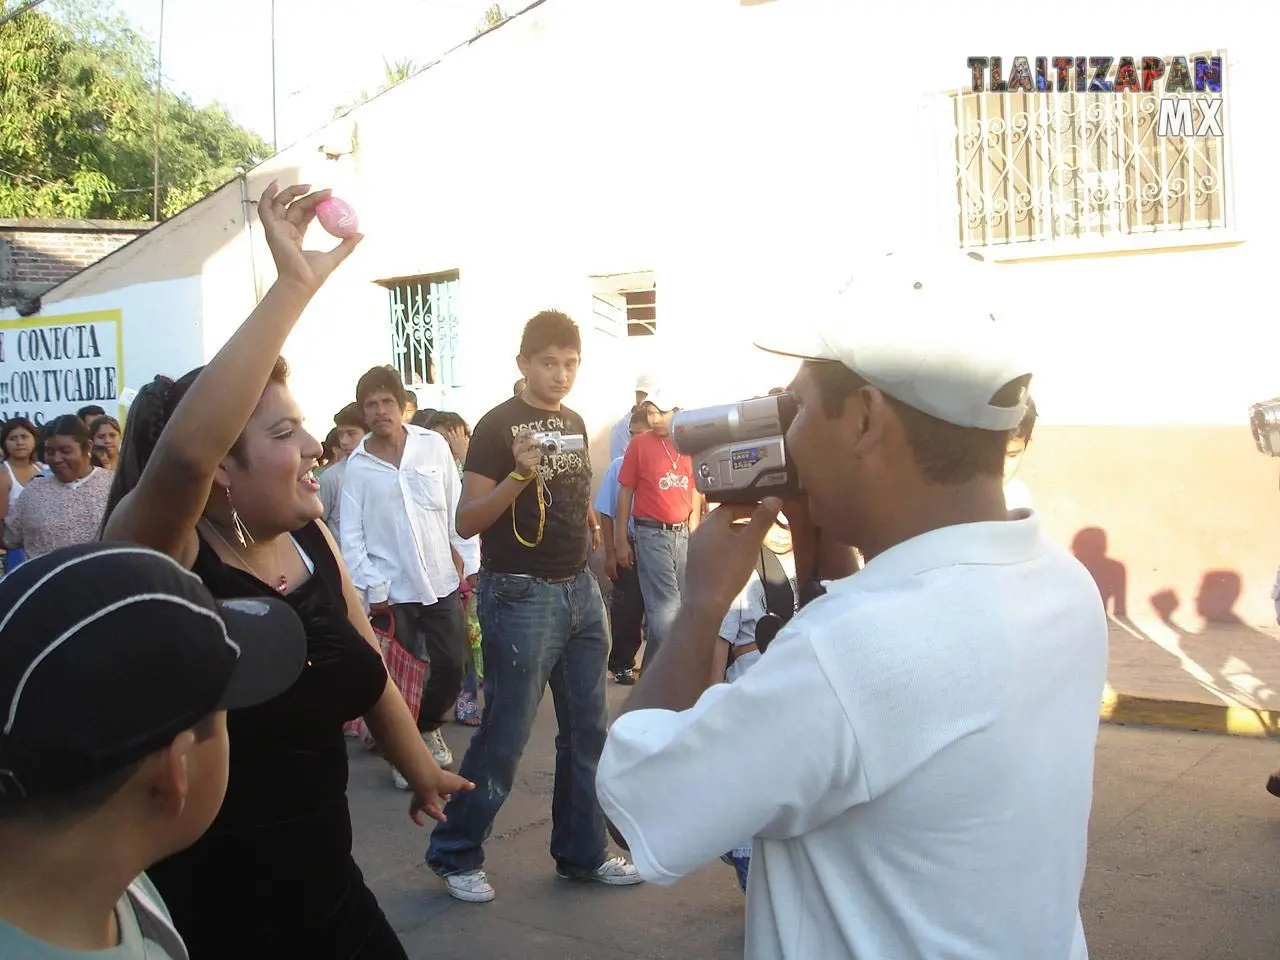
x=149, y=414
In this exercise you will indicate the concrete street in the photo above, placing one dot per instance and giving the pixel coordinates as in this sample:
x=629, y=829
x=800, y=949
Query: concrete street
x=1183, y=857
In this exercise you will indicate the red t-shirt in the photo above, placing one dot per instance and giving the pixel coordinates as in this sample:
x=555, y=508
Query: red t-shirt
x=660, y=477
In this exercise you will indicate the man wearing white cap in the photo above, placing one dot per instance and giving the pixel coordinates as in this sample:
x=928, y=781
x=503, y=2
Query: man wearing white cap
x=620, y=437
x=914, y=753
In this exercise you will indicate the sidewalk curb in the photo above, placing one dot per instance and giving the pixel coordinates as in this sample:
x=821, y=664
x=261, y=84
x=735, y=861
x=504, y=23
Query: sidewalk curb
x=1188, y=715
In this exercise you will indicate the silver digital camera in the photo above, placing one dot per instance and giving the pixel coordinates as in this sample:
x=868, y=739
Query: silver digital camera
x=1264, y=420
x=739, y=450
x=553, y=441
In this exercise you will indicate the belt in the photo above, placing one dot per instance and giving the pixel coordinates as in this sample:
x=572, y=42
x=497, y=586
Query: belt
x=659, y=525
x=529, y=576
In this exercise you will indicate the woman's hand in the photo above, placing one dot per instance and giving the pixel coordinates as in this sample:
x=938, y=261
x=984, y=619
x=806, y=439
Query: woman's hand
x=286, y=215
x=431, y=795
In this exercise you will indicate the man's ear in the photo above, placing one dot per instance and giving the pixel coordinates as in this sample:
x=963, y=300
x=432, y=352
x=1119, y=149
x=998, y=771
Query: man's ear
x=170, y=782
x=866, y=416
x=522, y=364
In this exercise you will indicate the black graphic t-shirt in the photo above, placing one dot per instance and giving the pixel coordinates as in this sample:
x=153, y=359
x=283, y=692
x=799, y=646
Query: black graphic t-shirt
x=566, y=493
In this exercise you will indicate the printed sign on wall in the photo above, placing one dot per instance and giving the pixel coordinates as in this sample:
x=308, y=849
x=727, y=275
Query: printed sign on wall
x=55, y=365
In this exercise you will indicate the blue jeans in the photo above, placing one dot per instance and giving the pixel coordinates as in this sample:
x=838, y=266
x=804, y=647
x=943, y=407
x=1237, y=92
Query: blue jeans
x=660, y=562
x=14, y=559
x=741, y=864
x=534, y=633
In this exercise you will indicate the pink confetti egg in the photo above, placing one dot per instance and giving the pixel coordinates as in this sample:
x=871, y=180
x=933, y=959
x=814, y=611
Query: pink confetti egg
x=337, y=218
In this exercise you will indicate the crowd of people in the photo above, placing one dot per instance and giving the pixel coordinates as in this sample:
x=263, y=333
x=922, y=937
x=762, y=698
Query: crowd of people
x=53, y=489
x=876, y=701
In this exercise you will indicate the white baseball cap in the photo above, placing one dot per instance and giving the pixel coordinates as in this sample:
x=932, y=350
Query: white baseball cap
x=663, y=399
x=919, y=331
x=647, y=382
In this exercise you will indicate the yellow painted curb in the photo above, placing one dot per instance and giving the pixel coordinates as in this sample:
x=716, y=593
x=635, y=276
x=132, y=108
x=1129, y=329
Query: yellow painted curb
x=1186, y=715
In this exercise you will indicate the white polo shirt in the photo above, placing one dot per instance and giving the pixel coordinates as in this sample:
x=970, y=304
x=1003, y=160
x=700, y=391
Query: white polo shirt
x=914, y=757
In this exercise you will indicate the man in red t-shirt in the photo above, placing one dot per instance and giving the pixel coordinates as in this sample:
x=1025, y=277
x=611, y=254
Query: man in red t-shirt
x=658, y=491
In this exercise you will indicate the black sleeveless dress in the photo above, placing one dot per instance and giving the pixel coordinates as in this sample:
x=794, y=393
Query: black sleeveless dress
x=274, y=876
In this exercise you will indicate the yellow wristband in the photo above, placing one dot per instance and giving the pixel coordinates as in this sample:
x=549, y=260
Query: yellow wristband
x=520, y=476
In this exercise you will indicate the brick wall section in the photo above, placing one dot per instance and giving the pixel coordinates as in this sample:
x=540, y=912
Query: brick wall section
x=46, y=253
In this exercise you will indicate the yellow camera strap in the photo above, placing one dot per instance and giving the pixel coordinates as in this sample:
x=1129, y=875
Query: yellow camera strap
x=542, y=511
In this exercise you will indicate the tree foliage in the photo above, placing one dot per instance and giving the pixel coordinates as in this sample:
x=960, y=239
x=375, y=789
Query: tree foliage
x=493, y=16
x=78, y=115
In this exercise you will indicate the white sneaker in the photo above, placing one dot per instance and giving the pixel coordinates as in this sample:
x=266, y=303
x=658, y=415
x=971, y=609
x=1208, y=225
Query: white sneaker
x=400, y=782
x=439, y=749
x=471, y=886
x=617, y=872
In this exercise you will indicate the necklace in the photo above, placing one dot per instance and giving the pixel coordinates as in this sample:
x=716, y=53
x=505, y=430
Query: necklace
x=675, y=461
x=281, y=585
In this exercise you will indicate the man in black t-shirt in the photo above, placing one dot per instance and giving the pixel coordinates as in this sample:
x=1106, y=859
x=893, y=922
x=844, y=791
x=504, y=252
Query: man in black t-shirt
x=542, y=619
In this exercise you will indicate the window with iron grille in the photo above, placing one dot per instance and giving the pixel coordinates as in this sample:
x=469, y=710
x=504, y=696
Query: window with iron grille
x=625, y=303
x=1054, y=166
x=424, y=327
x=642, y=312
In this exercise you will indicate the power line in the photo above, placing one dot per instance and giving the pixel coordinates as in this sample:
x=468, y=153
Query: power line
x=275, y=139
x=21, y=10
x=155, y=159
x=63, y=183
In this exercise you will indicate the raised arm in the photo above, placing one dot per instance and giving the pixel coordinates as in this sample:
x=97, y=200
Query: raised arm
x=162, y=510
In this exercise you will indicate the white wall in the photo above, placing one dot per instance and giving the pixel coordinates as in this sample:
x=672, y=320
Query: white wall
x=160, y=334
x=749, y=157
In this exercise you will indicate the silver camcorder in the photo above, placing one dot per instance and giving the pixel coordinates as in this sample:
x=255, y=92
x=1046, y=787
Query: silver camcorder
x=1264, y=419
x=739, y=450
x=553, y=442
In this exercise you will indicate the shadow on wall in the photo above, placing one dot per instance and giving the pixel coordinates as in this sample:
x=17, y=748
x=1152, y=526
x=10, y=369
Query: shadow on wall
x=1239, y=659
x=1224, y=656
x=1090, y=548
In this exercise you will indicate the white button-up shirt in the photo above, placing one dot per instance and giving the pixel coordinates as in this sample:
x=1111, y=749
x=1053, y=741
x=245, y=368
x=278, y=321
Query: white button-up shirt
x=397, y=523
x=930, y=795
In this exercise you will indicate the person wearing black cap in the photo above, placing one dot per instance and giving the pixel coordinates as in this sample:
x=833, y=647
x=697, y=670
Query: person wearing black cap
x=117, y=668
x=217, y=471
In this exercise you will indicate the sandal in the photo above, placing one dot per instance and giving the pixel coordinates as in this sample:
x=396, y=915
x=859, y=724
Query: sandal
x=467, y=711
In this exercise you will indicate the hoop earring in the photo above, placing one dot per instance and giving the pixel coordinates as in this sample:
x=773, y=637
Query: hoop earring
x=242, y=532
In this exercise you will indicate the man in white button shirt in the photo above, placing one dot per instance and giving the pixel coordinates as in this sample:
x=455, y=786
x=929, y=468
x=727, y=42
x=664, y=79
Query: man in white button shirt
x=914, y=753
x=399, y=497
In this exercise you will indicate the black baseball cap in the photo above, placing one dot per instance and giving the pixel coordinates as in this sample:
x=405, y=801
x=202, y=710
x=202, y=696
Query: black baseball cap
x=110, y=650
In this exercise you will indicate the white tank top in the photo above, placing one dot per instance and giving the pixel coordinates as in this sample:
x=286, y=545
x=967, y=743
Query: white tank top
x=15, y=488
